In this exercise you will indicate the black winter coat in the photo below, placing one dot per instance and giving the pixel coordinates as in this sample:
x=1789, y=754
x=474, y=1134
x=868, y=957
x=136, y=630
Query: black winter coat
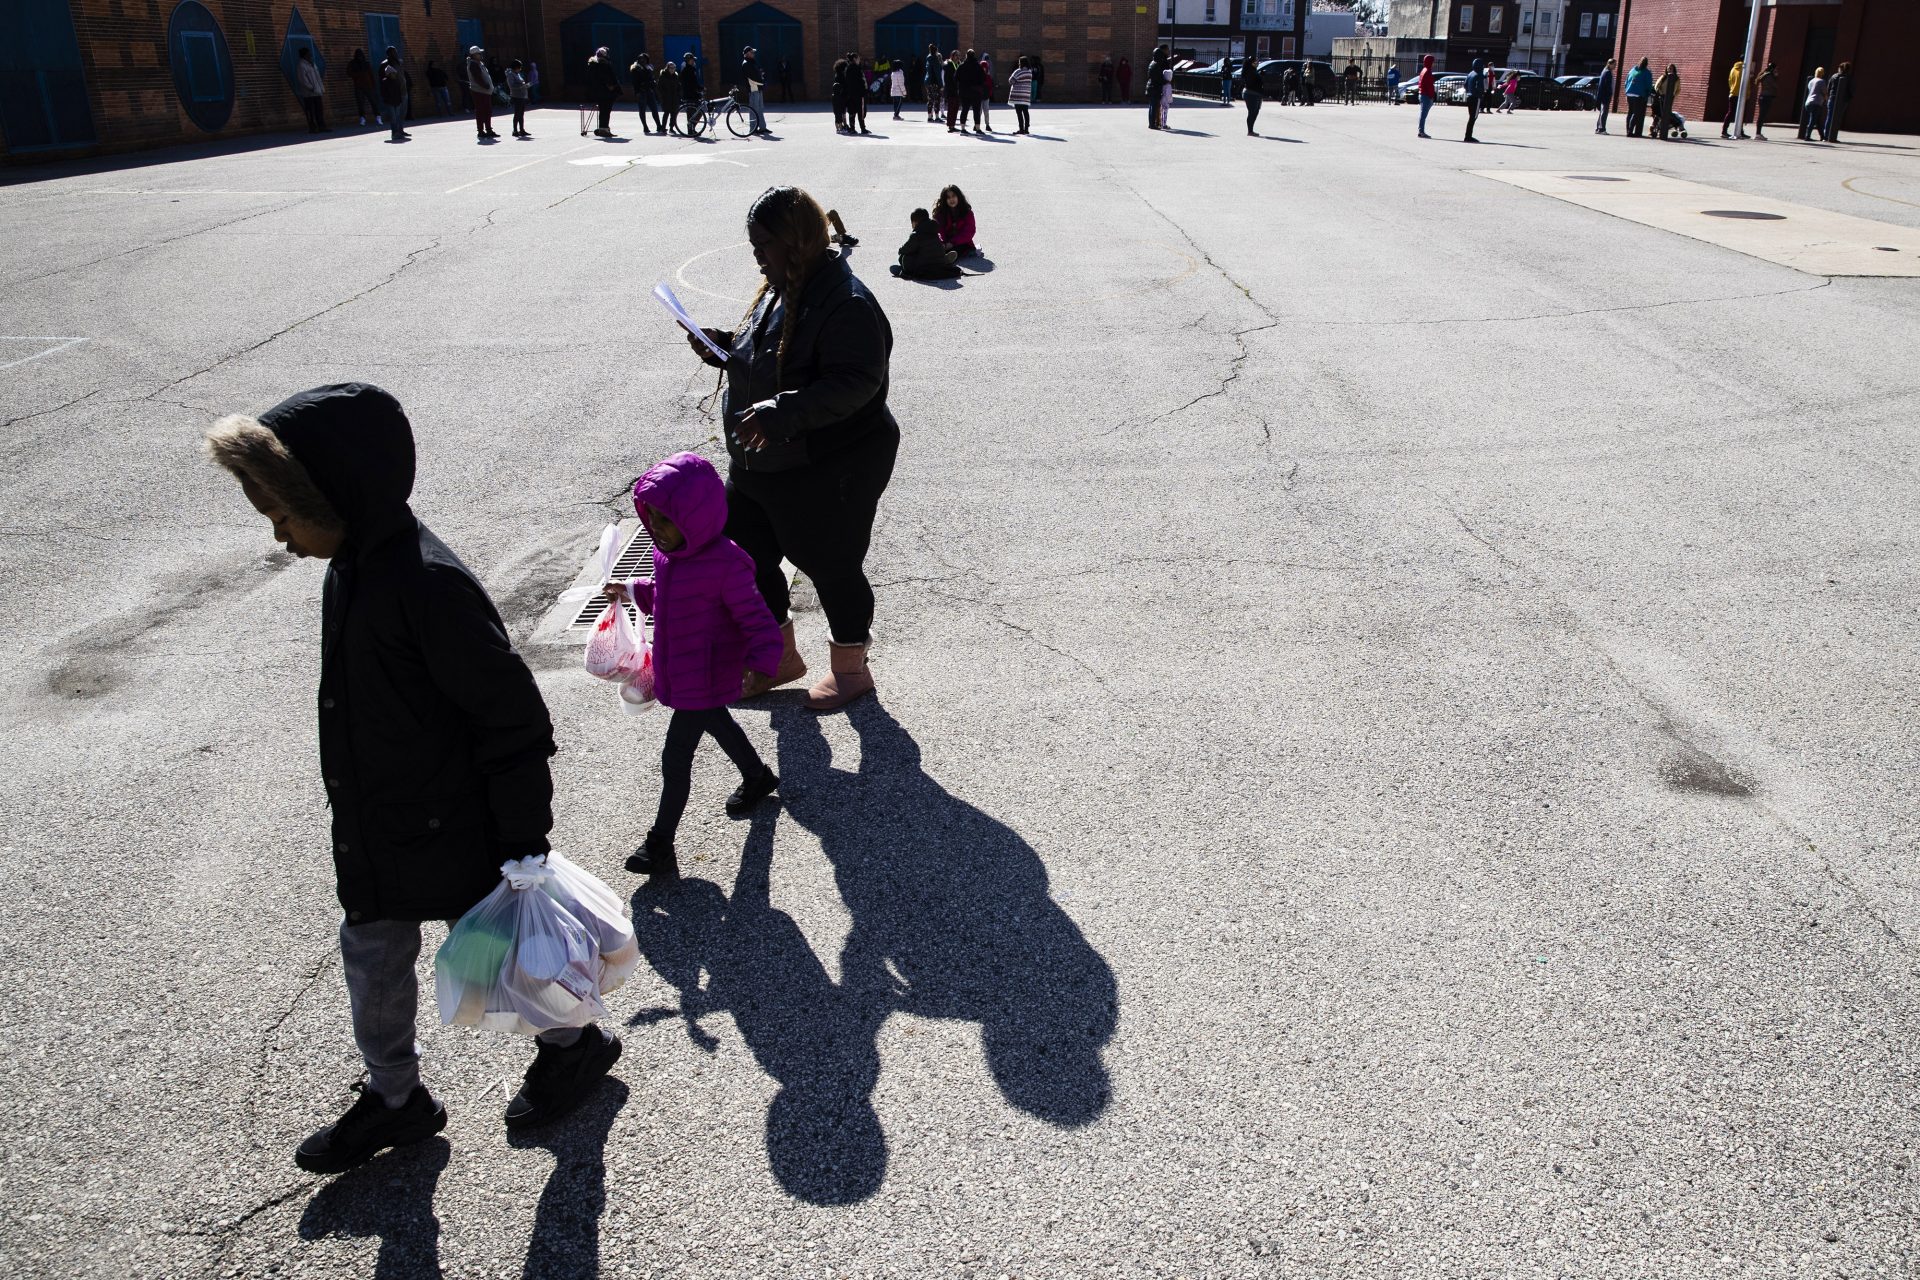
x=831, y=392
x=601, y=79
x=434, y=738
x=972, y=78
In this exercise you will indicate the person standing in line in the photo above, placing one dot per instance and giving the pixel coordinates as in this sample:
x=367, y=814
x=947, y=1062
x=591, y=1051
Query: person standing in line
x=1226, y=82
x=1106, y=79
x=1603, y=92
x=972, y=79
x=810, y=441
x=1250, y=93
x=1766, y=87
x=366, y=96
x=1813, y=106
x=393, y=94
x=1020, y=96
x=1289, y=86
x=1152, y=87
x=669, y=83
x=754, y=81
x=1665, y=90
x=931, y=79
x=838, y=86
x=709, y=626
x=517, y=95
x=1476, y=94
x=1735, y=77
x=986, y=95
x=897, y=82
x=1123, y=79
x=1350, y=81
x=1638, y=87
x=950, y=80
x=859, y=89
x=1393, y=85
x=1839, y=94
x=786, y=81
x=308, y=87
x=437, y=87
x=603, y=84
x=1166, y=95
x=480, y=92
x=434, y=742
x=646, y=94
x=1425, y=89
x=693, y=91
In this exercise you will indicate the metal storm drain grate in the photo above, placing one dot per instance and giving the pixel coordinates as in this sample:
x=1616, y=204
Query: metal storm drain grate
x=636, y=561
x=1591, y=177
x=1753, y=214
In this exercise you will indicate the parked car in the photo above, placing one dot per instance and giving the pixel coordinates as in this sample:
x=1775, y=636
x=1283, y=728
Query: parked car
x=1584, y=84
x=1443, y=87
x=1274, y=73
x=1537, y=93
x=1193, y=78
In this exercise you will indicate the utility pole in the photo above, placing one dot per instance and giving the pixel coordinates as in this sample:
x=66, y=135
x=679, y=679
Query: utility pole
x=1746, y=71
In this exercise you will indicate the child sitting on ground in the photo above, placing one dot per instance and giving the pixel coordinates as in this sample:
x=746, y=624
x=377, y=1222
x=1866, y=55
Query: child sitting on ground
x=953, y=220
x=709, y=624
x=923, y=257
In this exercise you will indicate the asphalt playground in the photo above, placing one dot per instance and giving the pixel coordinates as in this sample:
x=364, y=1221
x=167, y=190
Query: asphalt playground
x=1394, y=753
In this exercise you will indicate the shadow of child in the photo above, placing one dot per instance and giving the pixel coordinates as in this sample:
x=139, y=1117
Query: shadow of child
x=389, y=1197
x=566, y=1222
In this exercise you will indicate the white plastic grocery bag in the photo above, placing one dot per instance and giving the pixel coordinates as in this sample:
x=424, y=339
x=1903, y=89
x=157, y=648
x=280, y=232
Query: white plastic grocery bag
x=539, y=952
x=636, y=691
x=600, y=573
x=616, y=650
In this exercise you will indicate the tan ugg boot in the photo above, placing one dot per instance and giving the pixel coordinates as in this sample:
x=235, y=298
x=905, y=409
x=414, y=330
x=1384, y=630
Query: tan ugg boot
x=849, y=679
x=792, y=667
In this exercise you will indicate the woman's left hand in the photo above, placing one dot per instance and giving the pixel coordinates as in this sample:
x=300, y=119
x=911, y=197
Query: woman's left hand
x=751, y=434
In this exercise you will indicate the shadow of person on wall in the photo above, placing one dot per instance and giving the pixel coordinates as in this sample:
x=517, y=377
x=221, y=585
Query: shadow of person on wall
x=566, y=1222
x=951, y=914
x=389, y=1197
x=818, y=1040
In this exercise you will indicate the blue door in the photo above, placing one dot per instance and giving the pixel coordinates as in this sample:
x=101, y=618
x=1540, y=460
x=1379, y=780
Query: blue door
x=470, y=32
x=43, y=91
x=383, y=29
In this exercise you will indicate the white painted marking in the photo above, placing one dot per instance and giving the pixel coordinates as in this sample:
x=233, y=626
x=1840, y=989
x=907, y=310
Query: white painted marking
x=517, y=168
x=656, y=162
x=60, y=344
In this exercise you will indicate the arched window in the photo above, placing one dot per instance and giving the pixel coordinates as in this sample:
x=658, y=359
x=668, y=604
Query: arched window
x=202, y=66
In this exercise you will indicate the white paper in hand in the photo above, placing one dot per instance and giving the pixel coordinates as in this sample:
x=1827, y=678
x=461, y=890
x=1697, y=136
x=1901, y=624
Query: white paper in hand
x=679, y=313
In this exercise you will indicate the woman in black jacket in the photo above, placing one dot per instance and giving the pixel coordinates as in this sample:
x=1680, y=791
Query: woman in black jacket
x=809, y=438
x=972, y=78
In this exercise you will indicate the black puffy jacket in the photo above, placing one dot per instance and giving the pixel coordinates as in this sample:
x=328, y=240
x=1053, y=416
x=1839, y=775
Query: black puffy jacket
x=830, y=393
x=434, y=738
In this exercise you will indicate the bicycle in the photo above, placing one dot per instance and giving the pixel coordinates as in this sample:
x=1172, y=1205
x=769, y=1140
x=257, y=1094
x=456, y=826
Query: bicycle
x=712, y=110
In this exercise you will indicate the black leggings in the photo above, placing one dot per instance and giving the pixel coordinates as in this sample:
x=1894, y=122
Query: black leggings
x=820, y=517
x=676, y=761
x=1022, y=114
x=1253, y=109
x=519, y=115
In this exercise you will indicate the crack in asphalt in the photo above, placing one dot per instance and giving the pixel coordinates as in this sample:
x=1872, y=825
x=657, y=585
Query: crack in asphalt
x=156, y=244
x=41, y=413
x=1668, y=723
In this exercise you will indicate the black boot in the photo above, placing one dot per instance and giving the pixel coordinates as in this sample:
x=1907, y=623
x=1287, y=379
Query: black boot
x=655, y=860
x=751, y=792
x=370, y=1127
x=560, y=1079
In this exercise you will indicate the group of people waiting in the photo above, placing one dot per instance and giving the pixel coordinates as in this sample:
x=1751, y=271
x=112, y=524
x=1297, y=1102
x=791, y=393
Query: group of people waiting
x=1823, y=100
x=658, y=95
x=383, y=94
x=434, y=738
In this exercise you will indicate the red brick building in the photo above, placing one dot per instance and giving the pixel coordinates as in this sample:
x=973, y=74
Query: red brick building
x=1705, y=37
x=80, y=76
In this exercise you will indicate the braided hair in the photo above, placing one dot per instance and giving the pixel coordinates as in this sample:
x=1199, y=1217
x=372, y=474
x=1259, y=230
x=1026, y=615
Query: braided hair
x=796, y=222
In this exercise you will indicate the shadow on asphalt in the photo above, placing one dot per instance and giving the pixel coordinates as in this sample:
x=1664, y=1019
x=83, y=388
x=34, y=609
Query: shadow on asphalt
x=389, y=1197
x=952, y=919
x=566, y=1223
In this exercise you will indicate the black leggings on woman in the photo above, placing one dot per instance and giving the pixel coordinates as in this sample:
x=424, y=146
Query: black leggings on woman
x=1253, y=109
x=1022, y=114
x=676, y=761
x=820, y=517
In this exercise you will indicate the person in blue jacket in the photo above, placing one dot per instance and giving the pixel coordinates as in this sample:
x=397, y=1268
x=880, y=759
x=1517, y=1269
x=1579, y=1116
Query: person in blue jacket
x=1476, y=91
x=1603, y=91
x=1639, y=87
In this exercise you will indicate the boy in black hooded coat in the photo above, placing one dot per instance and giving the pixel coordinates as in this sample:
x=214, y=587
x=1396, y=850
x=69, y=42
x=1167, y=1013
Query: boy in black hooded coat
x=434, y=743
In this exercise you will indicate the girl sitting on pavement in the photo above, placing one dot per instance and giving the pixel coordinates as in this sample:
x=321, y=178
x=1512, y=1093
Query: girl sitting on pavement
x=709, y=626
x=923, y=256
x=953, y=221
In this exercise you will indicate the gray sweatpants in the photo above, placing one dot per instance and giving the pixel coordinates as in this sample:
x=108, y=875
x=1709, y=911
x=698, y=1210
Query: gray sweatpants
x=378, y=959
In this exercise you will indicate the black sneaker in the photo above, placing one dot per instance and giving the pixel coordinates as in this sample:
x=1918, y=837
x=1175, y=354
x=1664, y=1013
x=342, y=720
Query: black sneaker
x=751, y=792
x=370, y=1127
x=654, y=860
x=560, y=1079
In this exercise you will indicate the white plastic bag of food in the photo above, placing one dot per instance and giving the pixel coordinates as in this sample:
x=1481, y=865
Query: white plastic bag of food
x=600, y=573
x=539, y=952
x=636, y=691
x=617, y=650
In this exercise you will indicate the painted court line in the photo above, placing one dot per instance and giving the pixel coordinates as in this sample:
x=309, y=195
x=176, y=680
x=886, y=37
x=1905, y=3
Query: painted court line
x=60, y=344
x=1816, y=241
x=517, y=168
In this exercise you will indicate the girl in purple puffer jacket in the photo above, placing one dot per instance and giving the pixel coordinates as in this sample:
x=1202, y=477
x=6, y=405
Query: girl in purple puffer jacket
x=709, y=626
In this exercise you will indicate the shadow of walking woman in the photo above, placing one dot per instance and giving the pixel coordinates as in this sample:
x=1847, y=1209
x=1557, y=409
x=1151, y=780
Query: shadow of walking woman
x=951, y=919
